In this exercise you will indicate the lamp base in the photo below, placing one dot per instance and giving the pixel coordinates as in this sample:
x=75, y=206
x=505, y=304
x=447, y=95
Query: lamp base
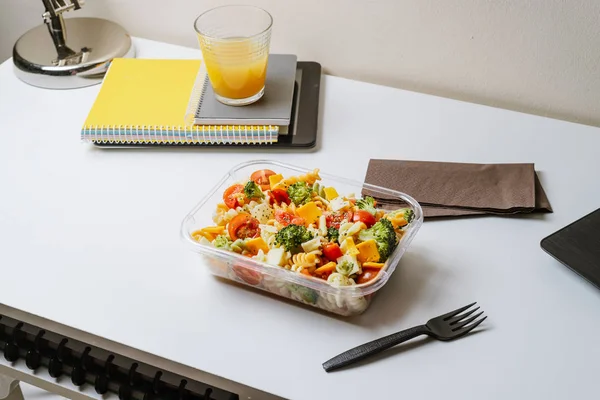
x=94, y=41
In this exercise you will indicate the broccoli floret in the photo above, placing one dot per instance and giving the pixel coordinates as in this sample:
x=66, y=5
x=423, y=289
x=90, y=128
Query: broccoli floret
x=307, y=294
x=299, y=193
x=333, y=234
x=221, y=242
x=384, y=235
x=407, y=213
x=367, y=204
x=292, y=236
x=252, y=191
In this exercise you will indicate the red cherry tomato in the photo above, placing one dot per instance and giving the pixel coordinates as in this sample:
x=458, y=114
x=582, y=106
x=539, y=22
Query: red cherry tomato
x=367, y=275
x=365, y=217
x=335, y=218
x=247, y=275
x=286, y=218
x=332, y=251
x=261, y=177
x=230, y=196
x=243, y=226
x=278, y=196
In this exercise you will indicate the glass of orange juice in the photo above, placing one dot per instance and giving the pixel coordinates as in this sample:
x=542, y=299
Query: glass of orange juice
x=235, y=47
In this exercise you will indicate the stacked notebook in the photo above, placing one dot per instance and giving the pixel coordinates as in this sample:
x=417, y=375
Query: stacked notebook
x=151, y=101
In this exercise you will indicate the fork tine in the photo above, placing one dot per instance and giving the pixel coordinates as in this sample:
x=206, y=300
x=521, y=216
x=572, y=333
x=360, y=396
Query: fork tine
x=451, y=314
x=466, y=322
x=469, y=328
x=462, y=316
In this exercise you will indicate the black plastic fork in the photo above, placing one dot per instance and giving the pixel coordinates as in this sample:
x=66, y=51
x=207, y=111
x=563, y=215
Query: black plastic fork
x=445, y=327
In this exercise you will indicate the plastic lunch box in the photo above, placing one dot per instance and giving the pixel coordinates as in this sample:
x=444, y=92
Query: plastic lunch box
x=344, y=300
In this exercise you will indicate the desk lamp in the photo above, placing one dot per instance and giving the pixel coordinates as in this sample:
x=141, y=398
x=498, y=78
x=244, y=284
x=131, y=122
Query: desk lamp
x=47, y=57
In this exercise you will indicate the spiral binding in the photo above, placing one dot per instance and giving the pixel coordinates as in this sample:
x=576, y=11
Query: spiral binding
x=107, y=372
x=197, y=134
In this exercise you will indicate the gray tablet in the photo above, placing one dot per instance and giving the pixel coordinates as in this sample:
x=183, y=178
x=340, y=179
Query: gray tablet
x=577, y=246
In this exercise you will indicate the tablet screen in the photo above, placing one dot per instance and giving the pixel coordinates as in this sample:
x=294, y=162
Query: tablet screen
x=578, y=246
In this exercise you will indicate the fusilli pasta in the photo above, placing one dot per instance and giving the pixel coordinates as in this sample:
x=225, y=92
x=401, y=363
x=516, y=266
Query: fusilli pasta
x=350, y=229
x=310, y=178
x=301, y=261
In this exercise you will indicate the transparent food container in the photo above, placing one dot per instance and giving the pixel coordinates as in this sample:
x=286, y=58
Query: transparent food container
x=342, y=300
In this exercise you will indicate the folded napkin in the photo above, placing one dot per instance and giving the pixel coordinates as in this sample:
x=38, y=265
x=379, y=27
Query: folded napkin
x=456, y=189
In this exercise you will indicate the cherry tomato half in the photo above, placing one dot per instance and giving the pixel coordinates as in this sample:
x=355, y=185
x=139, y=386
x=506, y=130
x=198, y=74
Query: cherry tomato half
x=243, y=226
x=365, y=217
x=367, y=275
x=278, y=196
x=247, y=275
x=335, y=218
x=261, y=177
x=230, y=196
x=286, y=218
x=332, y=251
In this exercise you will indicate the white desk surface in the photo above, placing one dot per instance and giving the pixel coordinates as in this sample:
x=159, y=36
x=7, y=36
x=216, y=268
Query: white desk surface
x=94, y=235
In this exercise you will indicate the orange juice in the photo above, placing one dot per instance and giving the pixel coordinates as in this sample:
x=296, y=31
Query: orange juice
x=236, y=69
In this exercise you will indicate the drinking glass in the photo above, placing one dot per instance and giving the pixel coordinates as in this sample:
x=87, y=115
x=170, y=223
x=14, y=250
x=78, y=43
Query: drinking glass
x=235, y=47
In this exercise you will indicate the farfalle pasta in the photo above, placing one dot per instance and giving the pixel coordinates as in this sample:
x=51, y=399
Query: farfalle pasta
x=298, y=223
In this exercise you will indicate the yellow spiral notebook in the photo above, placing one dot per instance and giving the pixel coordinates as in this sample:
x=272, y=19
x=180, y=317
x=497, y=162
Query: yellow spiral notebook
x=144, y=101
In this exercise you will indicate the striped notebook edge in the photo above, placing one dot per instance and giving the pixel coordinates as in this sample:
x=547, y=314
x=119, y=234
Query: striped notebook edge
x=197, y=134
x=197, y=95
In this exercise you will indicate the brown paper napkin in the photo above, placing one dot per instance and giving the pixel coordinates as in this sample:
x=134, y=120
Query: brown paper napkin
x=456, y=189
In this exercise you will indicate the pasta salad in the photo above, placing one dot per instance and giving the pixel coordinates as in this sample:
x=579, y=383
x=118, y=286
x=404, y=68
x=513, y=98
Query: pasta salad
x=299, y=224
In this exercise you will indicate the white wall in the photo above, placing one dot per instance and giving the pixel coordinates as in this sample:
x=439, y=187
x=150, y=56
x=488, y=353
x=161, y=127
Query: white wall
x=536, y=56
